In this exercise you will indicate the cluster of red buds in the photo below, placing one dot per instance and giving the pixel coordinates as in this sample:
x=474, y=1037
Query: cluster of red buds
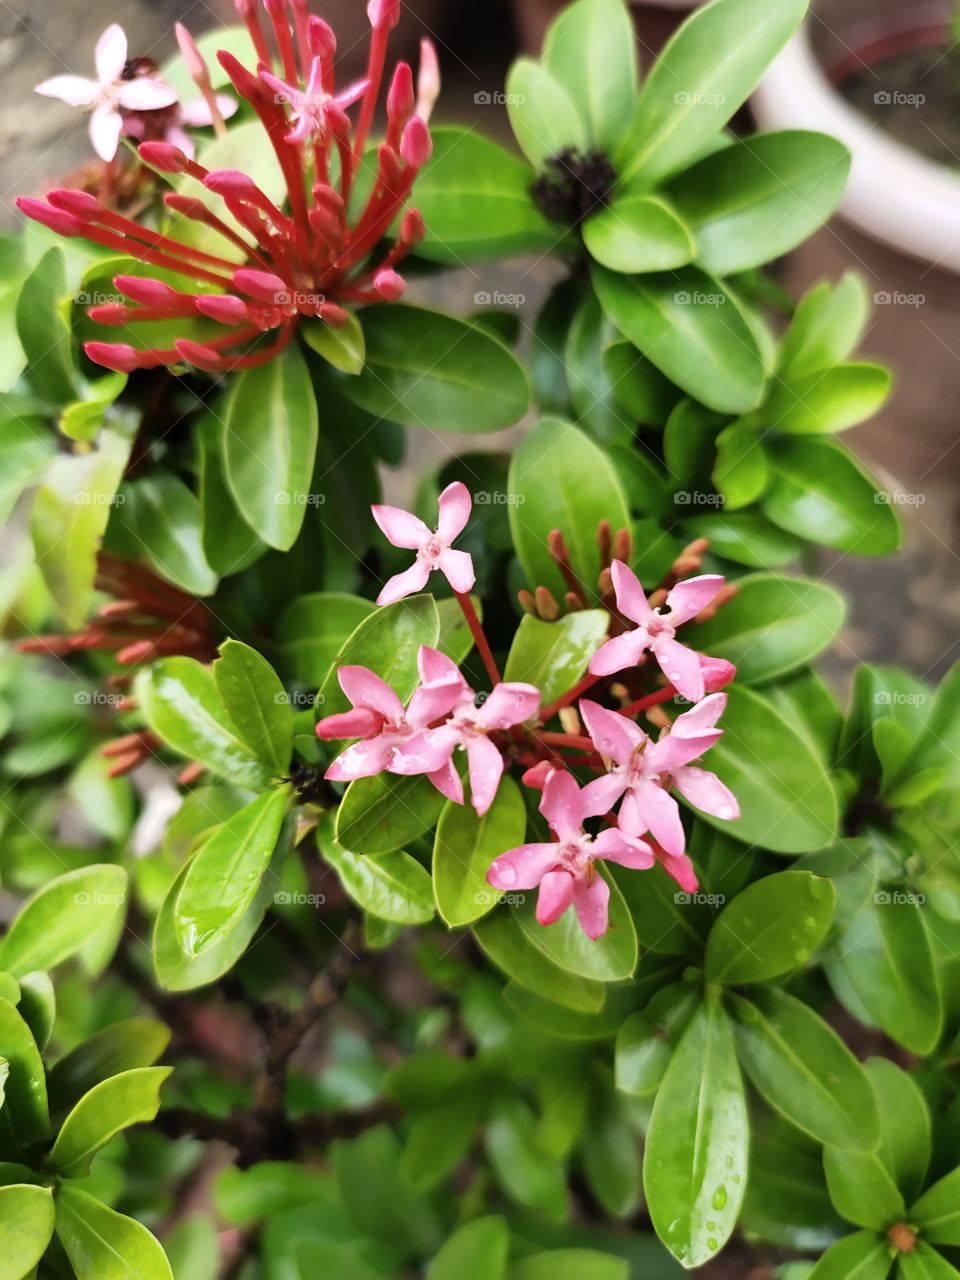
x=306, y=259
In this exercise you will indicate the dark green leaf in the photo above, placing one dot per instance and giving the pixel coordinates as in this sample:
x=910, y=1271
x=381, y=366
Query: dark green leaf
x=466, y=845
x=608, y=959
x=255, y=701
x=861, y=1189
x=391, y=886
x=905, y=1131
x=124, y=1046
x=510, y=949
x=313, y=629
x=163, y=519
x=771, y=928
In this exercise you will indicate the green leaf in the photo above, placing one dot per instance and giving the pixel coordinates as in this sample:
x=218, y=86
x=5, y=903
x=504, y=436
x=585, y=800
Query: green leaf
x=105, y=1245
x=438, y=1140
x=224, y=876
x=863, y=1256
x=591, y=50
x=312, y=631
x=771, y=928
x=773, y=625
x=528, y=1178
x=456, y=377
x=69, y=517
x=861, y=1189
x=44, y=334
x=691, y=328
x=695, y=1162
x=269, y=444
x=162, y=517
x=905, y=1130
x=886, y=949
x=821, y=494
x=475, y=201
x=122, y=1047
x=638, y=384
x=38, y=1006
x=466, y=845
x=570, y=1264
x=62, y=916
x=646, y=1041
x=26, y=447
x=344, y=347
x=827, y=400
x=787, y=802
x=804, y=1070
x=379, y=1204
x=477, y=1251
x=925, y=1263
x=542, y=114
x=554, y=655
x=382, y=813
x=746, y=538
x=392, y=886
x=610, y=1147
x=111, y=1106
x=827, y=325
x=229, y=544
x=638, y=232
x=755, y=200
x=702, y=77
x=26, y=1225
x=255, y=701
x=610, y=958
x=180, y=703
x=561, y=480
x=592, y=392
x=510, y=948
x=740, y=473
x=25, y=1091
x=107, y=804
x=937, y=1212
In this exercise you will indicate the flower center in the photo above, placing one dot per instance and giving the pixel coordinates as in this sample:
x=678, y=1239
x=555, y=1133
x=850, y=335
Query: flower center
x=431, y=551
x=574, y=185
x=659, y=624
x=575, y=854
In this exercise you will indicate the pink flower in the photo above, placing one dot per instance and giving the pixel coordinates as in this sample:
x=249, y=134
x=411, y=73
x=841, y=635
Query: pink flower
x=565, y=870
x=656, y=630
x=114, y=89
x=175, y=122
x=433, y=549
x=314, y=113
x=644, y=770
x=469, y=728
x=382, y=723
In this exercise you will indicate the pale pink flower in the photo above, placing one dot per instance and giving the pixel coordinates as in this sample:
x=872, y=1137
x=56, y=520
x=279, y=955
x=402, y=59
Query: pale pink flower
x=644, y=771
x=656, y=630
x=565, y=870
x=381, y=721
x=110, y=93
x=434, y=551
x=193, y=115
x=468, y=728
x=313, y=111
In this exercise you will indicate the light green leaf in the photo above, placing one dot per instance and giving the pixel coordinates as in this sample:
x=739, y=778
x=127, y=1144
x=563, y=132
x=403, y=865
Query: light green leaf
x=740, y=473
x=466, y=845
x=905, y=1130
x=827, y=400
x=570, y=1264
x=511, y=949
x=827, y=325
x=610, y=958
x=771, y=928
x=861, y=1189
x=62, y=916
x=863, y=1256
x=937, y=1212
x=926, y=1263
x=26, y=1225
x=25, y=1091
x=105, y=1245
x=591, y=50
x=477, y=1251
x=122, y=1047
x=554, y=655
x=542, y=114
x=111, y=1106
x=255, y=701
x=43, y=332
x=636, y=233
x=382, y=813
x=344, y=347
x=163, y=519
x=314, y=628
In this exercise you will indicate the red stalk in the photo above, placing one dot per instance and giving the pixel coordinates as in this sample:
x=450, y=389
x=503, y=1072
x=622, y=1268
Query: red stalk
x=479, y=636
x=583, y=684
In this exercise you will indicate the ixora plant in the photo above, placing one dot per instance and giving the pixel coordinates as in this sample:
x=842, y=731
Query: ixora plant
x=504, y=892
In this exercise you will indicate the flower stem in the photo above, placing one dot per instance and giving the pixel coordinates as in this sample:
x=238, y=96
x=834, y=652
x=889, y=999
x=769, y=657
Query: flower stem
x=651, y=700
x=479, y=636
x=567, y=740
x=565, y=699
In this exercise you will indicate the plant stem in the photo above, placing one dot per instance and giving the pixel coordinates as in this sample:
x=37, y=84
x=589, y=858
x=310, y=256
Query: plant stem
x=479, y=635
x=565, y=699
x=650, y=700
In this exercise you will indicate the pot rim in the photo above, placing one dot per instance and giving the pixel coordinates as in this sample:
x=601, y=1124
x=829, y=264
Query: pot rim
x=894, y=194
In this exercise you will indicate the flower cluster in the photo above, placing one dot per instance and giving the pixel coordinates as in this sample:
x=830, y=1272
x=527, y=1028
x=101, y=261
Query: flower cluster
x=304, y=260
x=634, y=771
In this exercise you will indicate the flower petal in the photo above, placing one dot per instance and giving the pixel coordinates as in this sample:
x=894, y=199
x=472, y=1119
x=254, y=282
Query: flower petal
x=110, y=55
x=680, y=665
x=647, y=807
x=631, y=600
x=436, y=667
x=701, y=718
x=76, y=91
x=105, y=127
x=509, y=704
x=400, y=527
x=404, y=584
x=523, y=867
x=486, y=770
x=602, y=793
x=591, y=898
x=362, y=760
x=717, y=672
x=562, y=804
x=457, y=566
x=359, y=723
x=426, y=752
x=687, y=598
x=626, y=851
x=144, y=93
x=680, y=869
x=365, y=688
x=705, y=791
x=556, y=894
x=618, y=654
x=351, y=94
x=674, y=750
x=448, y=783
x=434, y=701
x=455, y=506
x=614, y=736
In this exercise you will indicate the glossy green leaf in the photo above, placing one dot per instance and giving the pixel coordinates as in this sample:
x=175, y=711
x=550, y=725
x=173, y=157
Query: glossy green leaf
x=861, y=1189
x=477, y=1251
x=314, y=628
x=700, y=80
x=111, y=1106
x=821, y=494
x=638, y=232
x=610, y=958
x=591, y=50
x=26, y=1225
x=803, y=1069
x=121, y=1047
x=464, y=848
x=25, y=1092
x=863, y=1256
x=180, y=703
x=773, y=625
x=926, y=1263
x=456, y=377
x=554, y=655
x=570, y=1264
x=561, y=480
x=905, y=1130
x=385, y=812
x=343, y=347
x=740, y=472
x=105, y=1245
x=475, y=199
x=164, y=520
x=391, y=886
x=542, y=114
x=753, y=201
x=255, y=701
x=43, y=332
x=827, y=400
x=269, y=444
x=510, y=948
x=691, y=328
x=771, y=928
x=59, y=918
x=646, y=1041
x=229, y=544
x=827, y=325
x=596, y=407
x=695, y=1161
x=38, y=1006
x=937, y=1212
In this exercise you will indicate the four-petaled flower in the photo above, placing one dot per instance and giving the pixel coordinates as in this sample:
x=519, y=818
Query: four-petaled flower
x=433, y=550
x=566, y=870
x=314, y=113
x=656, y=630
x=115, y=88
x=644, y=770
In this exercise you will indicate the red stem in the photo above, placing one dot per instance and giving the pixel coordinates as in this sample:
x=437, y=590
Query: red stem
x=583, y=684
x=651, y=700
x=479, y=636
